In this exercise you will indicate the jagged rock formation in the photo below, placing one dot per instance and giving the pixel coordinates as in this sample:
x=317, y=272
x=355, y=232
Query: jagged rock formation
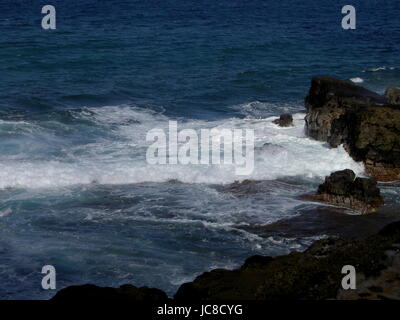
x=366, y=123
x=342, y=188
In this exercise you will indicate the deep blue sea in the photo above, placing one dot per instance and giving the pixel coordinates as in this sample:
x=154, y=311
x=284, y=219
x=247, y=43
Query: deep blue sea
x=76, y=104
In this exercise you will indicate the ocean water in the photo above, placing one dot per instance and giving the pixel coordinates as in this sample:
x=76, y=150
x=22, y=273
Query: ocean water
x=76, y=103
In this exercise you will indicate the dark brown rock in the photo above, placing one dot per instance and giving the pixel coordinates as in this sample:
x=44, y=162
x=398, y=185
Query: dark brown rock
x=329, y=98
x=366, y=123
x=285, y=120
x=342, y=188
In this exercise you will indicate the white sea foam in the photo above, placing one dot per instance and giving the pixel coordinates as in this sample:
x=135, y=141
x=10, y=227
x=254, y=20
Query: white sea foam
x=377, y=69
x=357, y=80
x=382, y=68
x=121, y=158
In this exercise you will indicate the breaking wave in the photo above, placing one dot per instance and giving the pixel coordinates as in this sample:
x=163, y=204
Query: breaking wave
x=107, y=145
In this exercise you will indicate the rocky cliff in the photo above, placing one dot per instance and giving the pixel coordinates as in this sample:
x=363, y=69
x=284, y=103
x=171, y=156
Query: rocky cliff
x=366, y=123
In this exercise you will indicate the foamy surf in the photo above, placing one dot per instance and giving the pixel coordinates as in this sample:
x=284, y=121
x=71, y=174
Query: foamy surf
x=115, y=154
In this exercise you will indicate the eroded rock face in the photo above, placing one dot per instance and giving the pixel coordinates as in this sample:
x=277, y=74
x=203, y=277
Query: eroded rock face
x=285, y=120
x=312, y=275
x=125, y=292
x=342, y=188
x=367, y=124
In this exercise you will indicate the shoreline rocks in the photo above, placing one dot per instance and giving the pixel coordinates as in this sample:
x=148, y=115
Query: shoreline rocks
x=314, y=274
x=366, y=123
x=342, y=188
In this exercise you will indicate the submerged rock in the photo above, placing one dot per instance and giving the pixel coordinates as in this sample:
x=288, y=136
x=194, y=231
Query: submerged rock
x=125, y=292
x=315, y=274
x=366, y=123
x=342, y=188
x=285, y=120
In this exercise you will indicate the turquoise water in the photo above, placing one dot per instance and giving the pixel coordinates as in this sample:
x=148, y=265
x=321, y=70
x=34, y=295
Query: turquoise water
x=76, y=104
